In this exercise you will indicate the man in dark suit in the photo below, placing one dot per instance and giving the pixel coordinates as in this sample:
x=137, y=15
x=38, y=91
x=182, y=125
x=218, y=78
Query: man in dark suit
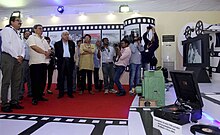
x=64, y=52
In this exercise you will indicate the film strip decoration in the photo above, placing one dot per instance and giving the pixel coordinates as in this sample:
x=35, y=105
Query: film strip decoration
x=79, y=27
x=99, y=123
x=139, y=20
x=204, y=95
x=147, y=119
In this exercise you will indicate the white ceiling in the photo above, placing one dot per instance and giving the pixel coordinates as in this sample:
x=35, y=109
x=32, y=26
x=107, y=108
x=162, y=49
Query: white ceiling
x=48, y=7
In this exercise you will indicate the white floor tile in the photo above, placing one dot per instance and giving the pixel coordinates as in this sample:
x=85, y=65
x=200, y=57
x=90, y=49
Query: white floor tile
x=14, y=127
x=58, y=128
x=116, y=130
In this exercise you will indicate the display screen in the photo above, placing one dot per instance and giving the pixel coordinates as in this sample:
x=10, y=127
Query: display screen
x=196, y=51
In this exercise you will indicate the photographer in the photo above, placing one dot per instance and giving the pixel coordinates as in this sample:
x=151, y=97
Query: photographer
x=123, y=60
x=150, y=46
x=135, y=63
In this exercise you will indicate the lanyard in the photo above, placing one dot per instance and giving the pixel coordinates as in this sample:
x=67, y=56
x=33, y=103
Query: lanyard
x=18, y=33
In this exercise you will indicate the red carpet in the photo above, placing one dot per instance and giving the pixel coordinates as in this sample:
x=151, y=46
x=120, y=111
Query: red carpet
x=86, y=105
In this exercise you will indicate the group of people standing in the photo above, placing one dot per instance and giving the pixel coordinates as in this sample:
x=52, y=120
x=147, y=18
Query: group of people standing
x=32, y=58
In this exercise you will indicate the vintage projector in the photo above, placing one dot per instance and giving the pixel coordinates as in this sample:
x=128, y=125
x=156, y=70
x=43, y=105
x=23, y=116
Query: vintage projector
x=188, y=106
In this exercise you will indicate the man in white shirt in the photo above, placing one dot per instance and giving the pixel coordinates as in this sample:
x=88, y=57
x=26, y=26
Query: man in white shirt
x=121, y=62
x=39, y=59
x=12, y=56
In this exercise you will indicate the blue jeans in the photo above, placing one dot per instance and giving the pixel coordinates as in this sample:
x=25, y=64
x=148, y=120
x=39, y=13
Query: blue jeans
x=118, y=72
x=134, y=75
x=108, y=73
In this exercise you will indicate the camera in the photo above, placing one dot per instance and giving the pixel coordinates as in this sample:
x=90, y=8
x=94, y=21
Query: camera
x=102, y=48
x=116, y=45
x=137, y=38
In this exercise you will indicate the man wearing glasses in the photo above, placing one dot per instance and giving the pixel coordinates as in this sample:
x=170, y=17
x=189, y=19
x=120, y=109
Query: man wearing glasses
x=12, y=56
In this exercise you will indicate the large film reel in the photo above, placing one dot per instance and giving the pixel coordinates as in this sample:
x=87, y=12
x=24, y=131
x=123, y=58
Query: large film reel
x=187, y=32
x=199, y=27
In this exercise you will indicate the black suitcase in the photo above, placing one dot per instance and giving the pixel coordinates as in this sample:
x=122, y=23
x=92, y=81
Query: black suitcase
x=188, y=106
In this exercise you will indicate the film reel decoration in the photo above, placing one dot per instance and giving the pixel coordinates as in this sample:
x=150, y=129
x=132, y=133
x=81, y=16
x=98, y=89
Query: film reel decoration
x=199, y=27
x=187, y=32
x=204, y=130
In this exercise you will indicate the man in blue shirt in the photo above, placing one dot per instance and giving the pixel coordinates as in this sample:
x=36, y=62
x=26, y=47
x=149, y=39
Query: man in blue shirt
x=135, y=63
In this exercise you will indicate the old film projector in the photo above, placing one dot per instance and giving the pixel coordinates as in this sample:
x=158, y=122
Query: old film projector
x=188, y=106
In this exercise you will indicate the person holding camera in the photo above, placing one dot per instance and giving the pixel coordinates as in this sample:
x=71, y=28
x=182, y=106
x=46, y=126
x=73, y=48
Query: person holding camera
x=108, y=53
x=135, y=64
x=123, y=55
x=149, y=59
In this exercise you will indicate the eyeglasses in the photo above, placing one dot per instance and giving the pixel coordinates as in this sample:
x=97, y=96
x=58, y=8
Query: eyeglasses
x=18, y=21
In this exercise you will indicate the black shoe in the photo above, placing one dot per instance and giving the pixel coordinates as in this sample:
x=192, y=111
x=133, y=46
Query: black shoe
x=71, y=96
x=42, y=99
x=16, y=106
x=49, y=92
x=60, y=96
x=34, y=102
x=6, y=109
x=121, y=94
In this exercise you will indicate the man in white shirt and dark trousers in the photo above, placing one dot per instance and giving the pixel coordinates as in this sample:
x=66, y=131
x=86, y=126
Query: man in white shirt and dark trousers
x=121, y=62
x=12, y=57
x=39, y=59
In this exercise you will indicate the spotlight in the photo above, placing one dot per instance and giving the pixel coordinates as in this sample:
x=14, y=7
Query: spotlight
x=60, y=9
x=16, y=14
x=124, y=8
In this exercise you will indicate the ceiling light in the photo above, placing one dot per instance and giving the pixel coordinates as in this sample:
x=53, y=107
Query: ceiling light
x=52, y=15
x=60, y=9
x=29, y=17
x=111, y=12
x=16, y=14
x=135, y=11
x=81, y=13
x=124, y=8
x=4, y=18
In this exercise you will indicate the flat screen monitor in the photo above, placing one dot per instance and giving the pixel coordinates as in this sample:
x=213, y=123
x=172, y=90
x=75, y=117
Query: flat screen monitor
x=196, y=51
